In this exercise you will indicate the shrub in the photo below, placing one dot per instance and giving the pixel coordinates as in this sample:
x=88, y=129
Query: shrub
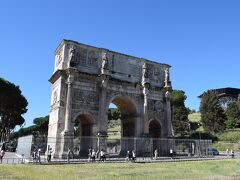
x=230, y=136
x=203, y=135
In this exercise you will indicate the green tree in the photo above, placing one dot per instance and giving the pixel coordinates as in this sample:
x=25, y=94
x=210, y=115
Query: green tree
x=12, y=105
x=113, y=114
x=233, y=116
x=42, y=124
x=179, y=113
x=212, y=114
x=232, y=111
x=40, y=128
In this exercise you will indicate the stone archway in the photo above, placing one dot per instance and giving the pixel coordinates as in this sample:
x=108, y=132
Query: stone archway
x=87, y=79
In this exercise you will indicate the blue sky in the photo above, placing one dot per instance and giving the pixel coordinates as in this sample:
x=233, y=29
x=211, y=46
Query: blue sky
x=200, y=39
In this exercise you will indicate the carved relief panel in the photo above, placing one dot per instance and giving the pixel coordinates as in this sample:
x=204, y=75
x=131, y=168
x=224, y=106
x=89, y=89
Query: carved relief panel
x=80, y=57
x=83, y=99
x=59, y=58
x=155, y=109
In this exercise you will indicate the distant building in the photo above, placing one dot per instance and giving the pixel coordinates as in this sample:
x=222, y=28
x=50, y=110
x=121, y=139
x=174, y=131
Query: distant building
x=226, y=95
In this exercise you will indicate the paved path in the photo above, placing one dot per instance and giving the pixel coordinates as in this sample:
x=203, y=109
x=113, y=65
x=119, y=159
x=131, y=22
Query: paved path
x=11, y=158
x=141, y=159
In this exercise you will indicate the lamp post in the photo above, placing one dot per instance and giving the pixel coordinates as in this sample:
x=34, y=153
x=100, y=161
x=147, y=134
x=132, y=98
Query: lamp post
x=199, y=136
x=98, y=142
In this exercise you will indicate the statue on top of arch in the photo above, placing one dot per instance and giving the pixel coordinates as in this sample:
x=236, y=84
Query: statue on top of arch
x=167, y=81
x=72, y=57
x=104, y=66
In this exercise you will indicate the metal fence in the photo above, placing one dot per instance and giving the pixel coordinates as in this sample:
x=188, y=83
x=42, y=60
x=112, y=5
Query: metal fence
x=143, y=147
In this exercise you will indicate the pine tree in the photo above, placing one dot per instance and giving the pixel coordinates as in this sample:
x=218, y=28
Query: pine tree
x=12, y=106
x=212, y=114
x=233, y=115
x=179, y=113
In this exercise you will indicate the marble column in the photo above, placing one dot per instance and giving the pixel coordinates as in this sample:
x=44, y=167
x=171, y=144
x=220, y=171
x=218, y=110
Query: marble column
x=102, y=114
x=145, y=85
x=145, y=108
x=67, y=134
x=67, y=127
x=169, y=114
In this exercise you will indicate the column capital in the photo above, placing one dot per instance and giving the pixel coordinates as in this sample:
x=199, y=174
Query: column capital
x=167, y=95
x=104, y=80
x=70, y=79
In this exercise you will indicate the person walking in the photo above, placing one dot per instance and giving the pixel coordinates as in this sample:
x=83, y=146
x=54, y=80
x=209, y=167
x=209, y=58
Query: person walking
x=102, y=155
x=93, y=155
x=2, y=153
x=39, y=155
x=50, y=151
x=89, y=154
x=171, y=153
x=128, y=155
x=68, y=155
x=133, y=156
x=155, y=154
x=232, y=153
x=227, y=152
x=34, y=156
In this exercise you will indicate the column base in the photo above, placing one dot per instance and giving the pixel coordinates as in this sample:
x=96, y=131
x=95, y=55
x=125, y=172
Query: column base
x=66, y=142
x=101, y=140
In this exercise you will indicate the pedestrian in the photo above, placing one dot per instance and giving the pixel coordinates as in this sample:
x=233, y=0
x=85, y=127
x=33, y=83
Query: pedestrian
x=232, y=153
x=102, y=154
x=50, y=151
x=93, y=155
x=2, y=153
x=133, y=156
x=68, y=155
x=128, y=156
x=39, y=155
x=227, y=152
x=155, y=154
x=34, y=155
x=89, y=154
x=171, y=153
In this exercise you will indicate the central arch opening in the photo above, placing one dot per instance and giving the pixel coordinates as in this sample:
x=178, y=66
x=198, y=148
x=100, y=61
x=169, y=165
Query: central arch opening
x=121, y=125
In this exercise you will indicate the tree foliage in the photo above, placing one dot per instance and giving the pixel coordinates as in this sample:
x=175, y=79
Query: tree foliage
x=233, y=115
x=40, y=128
x=113, y=114
x=179, y=113
x=212, y=114
x=12, y=105
x=232, y=111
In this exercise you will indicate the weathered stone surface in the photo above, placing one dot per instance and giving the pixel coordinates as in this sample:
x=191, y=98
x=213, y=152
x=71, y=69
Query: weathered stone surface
x=87, y=79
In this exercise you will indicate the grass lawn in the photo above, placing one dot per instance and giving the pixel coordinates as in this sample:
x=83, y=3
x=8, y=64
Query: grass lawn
x=194, y=117
x=219, y=169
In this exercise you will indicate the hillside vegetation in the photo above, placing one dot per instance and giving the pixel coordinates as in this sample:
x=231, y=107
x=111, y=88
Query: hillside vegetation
x=194, y=117
x=232, y=136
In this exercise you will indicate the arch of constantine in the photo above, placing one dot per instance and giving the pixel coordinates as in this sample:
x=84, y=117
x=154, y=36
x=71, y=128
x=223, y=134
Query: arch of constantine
x=87, y=79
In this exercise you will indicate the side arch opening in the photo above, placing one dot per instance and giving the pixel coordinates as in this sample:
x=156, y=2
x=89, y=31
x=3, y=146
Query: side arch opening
x=83, y=131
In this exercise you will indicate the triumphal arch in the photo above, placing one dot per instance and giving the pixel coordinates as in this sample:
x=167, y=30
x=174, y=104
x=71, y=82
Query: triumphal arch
x=87, y=79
